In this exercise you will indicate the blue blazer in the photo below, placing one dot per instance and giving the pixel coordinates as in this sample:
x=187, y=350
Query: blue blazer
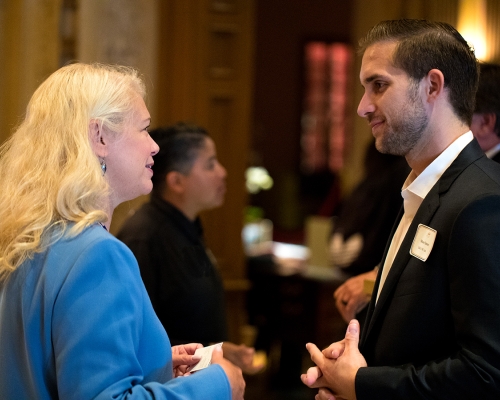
x=76, y=323
x=435, y=331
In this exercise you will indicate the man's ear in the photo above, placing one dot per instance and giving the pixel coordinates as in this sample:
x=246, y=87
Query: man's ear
x=483, y=124
x=489, y=120
x=434, y=81
x=96, y=139
x=175, y=182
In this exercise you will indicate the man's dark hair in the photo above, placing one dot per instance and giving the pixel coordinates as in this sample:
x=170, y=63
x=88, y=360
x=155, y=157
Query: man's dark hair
x=179, y=146
x=488, y=92
x=424, y=45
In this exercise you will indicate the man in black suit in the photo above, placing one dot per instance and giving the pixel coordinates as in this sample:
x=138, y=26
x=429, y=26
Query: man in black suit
x=486, y=119
x=350, y=297
x=432, y=326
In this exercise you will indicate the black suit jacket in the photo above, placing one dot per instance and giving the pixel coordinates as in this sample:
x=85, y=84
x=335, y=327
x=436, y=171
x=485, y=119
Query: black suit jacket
x=435, y=331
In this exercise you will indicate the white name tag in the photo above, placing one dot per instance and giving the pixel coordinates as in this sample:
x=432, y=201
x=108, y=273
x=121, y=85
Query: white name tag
x=423, y=242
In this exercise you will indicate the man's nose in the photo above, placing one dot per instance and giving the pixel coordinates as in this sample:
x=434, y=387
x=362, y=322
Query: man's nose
x=365, y=106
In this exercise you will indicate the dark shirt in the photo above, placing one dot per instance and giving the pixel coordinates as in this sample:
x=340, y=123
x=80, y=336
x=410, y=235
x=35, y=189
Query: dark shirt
x=183, y=284
x=372, y=208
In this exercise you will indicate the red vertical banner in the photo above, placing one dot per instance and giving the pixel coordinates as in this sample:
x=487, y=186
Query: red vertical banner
x=324, y=123
x=340, y=65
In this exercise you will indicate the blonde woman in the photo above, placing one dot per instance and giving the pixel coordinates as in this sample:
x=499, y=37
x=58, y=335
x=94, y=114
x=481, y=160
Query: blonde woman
x=75, y=319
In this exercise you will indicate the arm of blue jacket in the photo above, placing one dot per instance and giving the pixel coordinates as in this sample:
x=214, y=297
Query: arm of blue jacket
x=107, y=340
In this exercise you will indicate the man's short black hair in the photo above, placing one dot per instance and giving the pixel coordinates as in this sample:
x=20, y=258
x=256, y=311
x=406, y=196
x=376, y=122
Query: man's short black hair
x=179, y=145
x=424, y=45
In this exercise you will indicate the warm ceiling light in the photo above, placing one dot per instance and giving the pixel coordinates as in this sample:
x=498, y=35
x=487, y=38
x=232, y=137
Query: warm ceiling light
x=472, y=25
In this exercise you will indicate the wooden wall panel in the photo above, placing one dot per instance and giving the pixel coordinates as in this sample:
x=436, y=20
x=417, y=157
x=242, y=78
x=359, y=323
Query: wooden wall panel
x=29, y=53
x=206, y=77
x=121, y=33
x=220, y=122
x=493, y=30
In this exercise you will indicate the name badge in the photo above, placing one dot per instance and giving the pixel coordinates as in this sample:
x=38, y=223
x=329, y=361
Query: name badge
x=423, y=242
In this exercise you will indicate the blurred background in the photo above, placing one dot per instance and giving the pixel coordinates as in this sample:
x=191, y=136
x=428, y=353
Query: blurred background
x=275, y=82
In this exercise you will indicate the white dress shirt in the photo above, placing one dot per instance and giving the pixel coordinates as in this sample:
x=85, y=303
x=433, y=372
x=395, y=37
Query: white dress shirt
x=414, y=191
x=493, y=151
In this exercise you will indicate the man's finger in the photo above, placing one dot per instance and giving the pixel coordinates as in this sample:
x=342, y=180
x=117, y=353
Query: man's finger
x=324, y=394
x=313, y=378
x=335, y=350
x=316, y=354
x=312, y=375
x=352, y=336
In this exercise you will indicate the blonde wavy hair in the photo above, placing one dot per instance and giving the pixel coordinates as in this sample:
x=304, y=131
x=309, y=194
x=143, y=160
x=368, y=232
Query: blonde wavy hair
x=49, y=173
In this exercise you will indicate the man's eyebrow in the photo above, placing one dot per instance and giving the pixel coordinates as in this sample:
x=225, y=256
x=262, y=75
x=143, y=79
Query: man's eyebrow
x=373, y=77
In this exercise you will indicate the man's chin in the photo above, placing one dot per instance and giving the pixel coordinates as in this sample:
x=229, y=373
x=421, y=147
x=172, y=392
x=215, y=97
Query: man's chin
x=381, y=146
x=386, y=147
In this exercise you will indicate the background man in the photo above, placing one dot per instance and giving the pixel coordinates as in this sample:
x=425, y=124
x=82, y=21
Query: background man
x=166, y=236
x=486, y=119
x=432, y=323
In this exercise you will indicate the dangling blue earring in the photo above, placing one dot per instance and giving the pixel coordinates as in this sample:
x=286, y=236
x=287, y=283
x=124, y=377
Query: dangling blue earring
x=103, y=167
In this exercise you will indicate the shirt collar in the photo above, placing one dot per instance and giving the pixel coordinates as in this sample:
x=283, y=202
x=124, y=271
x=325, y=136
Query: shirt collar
x=193, y=228
x=416, y=188
x=493, y=151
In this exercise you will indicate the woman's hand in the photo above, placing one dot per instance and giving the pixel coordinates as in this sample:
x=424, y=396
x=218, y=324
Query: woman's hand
x=183, y=357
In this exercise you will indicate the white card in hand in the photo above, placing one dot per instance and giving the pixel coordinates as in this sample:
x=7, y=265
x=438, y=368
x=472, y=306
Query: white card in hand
x=206, y=357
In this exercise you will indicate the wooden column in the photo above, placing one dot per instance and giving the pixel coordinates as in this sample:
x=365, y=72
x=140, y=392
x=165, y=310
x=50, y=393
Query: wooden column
x=121, y=32
x=205, y=76
x=29, y=52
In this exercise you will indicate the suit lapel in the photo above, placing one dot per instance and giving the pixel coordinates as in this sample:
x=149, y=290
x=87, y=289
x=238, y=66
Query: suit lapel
x=365, y=325
x=423, y=216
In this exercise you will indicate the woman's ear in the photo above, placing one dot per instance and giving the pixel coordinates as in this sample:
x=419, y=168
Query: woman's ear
x=97, y=141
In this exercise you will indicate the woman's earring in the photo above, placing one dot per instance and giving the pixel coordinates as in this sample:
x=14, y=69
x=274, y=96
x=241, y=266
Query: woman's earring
x=103, y=167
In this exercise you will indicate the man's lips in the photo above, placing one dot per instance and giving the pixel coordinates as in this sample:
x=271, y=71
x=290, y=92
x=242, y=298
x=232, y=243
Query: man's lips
x=375, y=122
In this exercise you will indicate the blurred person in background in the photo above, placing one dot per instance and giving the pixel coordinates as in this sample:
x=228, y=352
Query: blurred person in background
x=486, y=118
x=363, y=224
x=166, y=236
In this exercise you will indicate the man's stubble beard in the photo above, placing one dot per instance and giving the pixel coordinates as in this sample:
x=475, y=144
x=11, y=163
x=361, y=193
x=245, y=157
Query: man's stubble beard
x=407, y=126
